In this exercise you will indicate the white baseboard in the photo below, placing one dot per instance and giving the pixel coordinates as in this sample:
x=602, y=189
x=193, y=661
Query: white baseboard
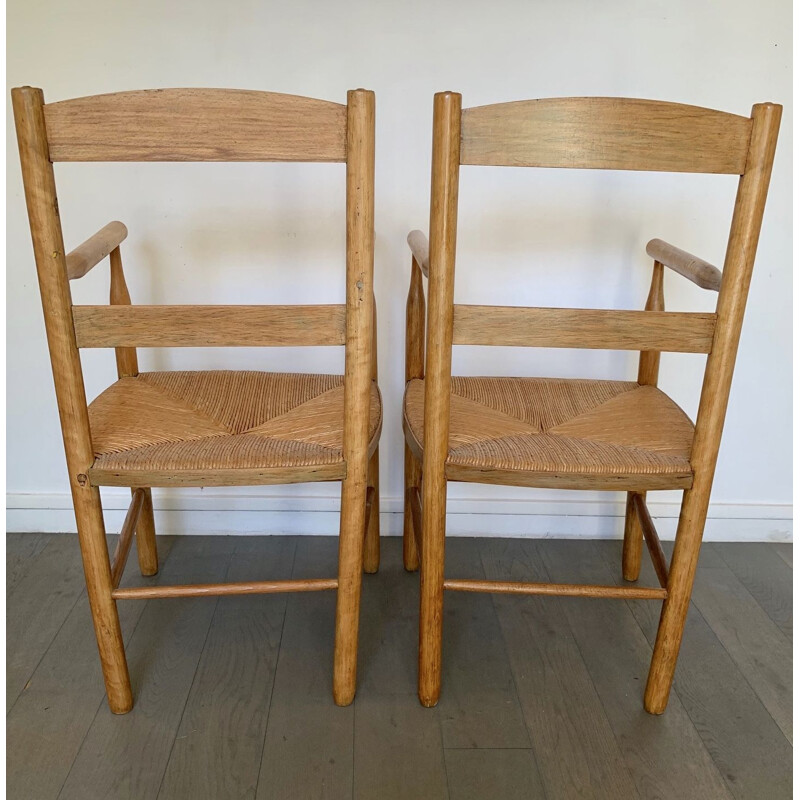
x=210, y=511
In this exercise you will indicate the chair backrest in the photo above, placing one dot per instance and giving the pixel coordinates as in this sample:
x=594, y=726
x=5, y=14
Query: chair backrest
x=597, y=133
x=193, y=125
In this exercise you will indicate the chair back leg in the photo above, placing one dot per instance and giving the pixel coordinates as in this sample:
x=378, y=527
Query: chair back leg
x=632, y=544
x=372, y=540
x=97, y=569
x=679, y=592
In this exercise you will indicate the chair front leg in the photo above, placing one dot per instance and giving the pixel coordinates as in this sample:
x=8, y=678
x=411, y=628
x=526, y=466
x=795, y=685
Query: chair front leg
x=431, y=595
x=412, y=481
x=372, y=543
x=348, y=600
x=146, y=547
x=632, y=544
x=679, y=592
x=97, y=569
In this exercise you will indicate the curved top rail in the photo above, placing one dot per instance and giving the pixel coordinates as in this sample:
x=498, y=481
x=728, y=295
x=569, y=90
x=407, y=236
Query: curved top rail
x=196, y=125
x=605, y=133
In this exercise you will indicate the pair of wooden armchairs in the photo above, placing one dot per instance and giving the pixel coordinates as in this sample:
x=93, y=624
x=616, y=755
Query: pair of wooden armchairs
x=257, y=428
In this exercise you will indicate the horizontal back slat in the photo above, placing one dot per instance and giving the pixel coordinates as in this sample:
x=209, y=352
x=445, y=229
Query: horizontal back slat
x=583, y=328
x=196, y=125
x=605, y=133
x=209, y=326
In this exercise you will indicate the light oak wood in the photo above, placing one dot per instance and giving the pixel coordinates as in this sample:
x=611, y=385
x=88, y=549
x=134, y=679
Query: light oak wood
x=226, y=589
x=737, y=271
x=120, y=557
x=597, y=329
x=651, y=537
x=146, y=547
x=415, y=368
x=95, y=249
x=48, y=248
x=556, y=589
x=196, y=125
x=339, y=424
x=358, y=379
x=649, y=363
x=705, y=275
x=595, y=435
x=372, y=534
x=438, y=359
x=209, y=326
x=418, y=243
x=605, y=133
x=415, y=504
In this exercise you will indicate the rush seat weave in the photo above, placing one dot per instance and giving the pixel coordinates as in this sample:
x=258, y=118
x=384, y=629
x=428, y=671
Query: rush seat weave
x=188, y=421
x=613, y=429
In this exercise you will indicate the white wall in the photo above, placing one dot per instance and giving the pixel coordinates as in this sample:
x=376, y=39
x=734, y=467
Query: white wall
x=274, y=233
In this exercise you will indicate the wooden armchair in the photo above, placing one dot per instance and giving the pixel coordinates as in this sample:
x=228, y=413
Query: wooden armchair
x=576, y=434
x=225, y=428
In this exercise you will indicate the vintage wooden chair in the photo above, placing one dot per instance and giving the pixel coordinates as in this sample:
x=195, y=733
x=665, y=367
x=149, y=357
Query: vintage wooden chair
x=223, y=428
x=576, y=434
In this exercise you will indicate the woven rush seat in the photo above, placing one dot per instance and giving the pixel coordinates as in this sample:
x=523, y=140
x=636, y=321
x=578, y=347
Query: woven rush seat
x=160, y=428
x=615, y=431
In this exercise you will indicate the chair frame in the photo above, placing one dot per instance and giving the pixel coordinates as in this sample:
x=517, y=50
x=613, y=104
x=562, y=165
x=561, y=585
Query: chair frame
x=598, y=133
x=202, y=125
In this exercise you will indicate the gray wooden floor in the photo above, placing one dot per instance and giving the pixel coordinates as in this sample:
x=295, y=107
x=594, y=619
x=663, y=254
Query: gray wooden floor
x=541, y=697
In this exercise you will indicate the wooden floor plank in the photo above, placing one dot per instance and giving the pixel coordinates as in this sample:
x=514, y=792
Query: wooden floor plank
x=308, y=748
x=21, y=552
x=665, y=755
x=398, y=749
x=124, y=756
x=217, y=750
x=762, y=571
x=748, y=747
x=482, y=774
x=37, y=608
x=784, y=550
x=48, y=722
x=756, y=645
x=479, y=706
x=389, y=629
x=573, y=742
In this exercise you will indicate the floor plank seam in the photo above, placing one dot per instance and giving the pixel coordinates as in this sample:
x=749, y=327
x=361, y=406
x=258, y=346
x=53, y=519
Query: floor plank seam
x=274, y=674
x=191, y=684
x=753, y=689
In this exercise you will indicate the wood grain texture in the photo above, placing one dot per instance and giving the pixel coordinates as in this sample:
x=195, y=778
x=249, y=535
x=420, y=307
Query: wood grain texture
x=596, y=329
x=762, y=571
x=125, y=541
x=720, y=703
x=739, y=260
x=126, y=756
x=196, y=125
x=479, y=707
x=48, y=246
x=95, y=249
x=576, y=750
x=480, y=774
x=605, y=133
x=666, y=756
x=651, y=537
x=358, y=385
x=555, y=589
x=229, y=588
x=438, y=361
x=218, y=744
x=705, y=275
x=48, y=722
x=118, y=295
x=308, y=746
x=209, y=326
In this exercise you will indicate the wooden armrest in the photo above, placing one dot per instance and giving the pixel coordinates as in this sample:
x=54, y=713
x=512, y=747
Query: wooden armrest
x=95, y=249
x=705, y=275
x=418, y=242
